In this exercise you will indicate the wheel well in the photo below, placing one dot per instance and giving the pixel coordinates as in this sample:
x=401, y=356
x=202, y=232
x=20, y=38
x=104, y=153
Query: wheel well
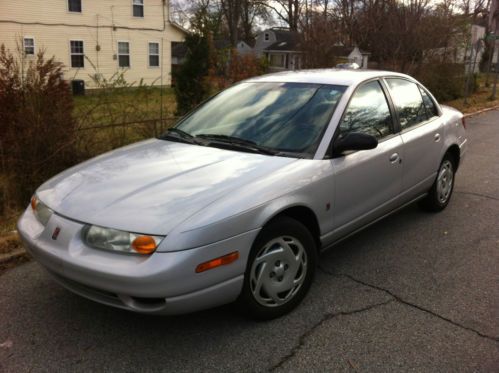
x=307, y=217
x=456, y=154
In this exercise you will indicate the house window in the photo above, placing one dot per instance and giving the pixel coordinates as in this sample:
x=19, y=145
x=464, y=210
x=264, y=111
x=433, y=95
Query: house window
x=74, y=6
x=277, y=60
x=29, y=46
x=266, y=36
x=123, y=54
x=138, y=8
x=77, y=53
x=153, y=54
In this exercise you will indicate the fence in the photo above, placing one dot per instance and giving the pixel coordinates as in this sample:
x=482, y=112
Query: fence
x=96, y=139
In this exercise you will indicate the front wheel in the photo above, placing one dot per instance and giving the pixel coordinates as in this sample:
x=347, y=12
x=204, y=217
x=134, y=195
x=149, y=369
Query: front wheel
x=280, y=269
x=439, y=196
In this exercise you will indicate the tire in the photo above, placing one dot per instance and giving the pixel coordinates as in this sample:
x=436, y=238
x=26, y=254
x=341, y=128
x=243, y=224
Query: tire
x=280, y=269
x=441, y=191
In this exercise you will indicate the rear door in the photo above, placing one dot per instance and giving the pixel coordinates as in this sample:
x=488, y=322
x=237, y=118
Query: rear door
x=367, y=182
x=421, y=132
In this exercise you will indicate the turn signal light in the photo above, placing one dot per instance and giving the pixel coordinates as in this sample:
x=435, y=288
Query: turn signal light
x=144, y=245
x=221, y=261
x=34, y=202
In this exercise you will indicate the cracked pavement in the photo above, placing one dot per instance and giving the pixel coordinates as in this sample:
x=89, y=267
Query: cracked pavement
x=414, y=292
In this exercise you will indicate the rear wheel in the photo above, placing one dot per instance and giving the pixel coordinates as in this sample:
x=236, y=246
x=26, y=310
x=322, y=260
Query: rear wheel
x=280, y=269
x=440, y=193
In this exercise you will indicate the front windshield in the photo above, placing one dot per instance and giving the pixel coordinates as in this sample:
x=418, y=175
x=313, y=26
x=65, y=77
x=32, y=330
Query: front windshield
x=286, y=117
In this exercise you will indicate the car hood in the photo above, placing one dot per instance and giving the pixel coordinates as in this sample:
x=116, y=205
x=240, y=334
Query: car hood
x=152, y=186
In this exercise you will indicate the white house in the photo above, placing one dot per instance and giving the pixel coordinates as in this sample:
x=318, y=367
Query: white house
x=95, y=36
x=243, y=48
x=281, y=48
x=464, y=48
x=283, y=51
x=359, y=57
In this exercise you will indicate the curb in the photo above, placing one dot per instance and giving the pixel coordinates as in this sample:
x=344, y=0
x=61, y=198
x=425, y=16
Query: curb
x=16, y=254
x=481, y=111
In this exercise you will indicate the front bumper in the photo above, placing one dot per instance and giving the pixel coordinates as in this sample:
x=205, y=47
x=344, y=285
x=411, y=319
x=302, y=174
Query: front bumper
x=463, y=149
x=164, y=282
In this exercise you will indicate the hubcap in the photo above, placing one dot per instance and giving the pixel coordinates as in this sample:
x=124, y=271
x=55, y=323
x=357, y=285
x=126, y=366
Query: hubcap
x=278, y=271
x=444, y=181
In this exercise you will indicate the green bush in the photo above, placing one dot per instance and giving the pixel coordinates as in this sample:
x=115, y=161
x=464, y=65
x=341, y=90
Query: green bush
x=190, y=85
x=444, y=80
x=447, y=81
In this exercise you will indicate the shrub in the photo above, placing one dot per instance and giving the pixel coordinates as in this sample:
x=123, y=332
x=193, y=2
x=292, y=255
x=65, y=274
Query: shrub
x=228, y=67
x=245, y=66
x=444, y=80
x=207, y=70
x=37, y=130
x=190, y=85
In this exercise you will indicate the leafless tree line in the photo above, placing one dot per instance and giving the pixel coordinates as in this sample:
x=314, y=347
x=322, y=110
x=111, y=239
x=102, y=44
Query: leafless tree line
x=398, y=33
x=232, y=19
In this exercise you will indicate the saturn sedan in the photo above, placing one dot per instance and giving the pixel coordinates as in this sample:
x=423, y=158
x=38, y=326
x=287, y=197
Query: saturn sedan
x=236, y=202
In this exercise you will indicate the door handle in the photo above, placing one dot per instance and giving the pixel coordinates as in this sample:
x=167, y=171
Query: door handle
x=437, y=137
x=394, y=158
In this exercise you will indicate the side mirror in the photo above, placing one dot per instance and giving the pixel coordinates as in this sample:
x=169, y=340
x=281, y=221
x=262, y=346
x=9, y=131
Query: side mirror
x=354, y=141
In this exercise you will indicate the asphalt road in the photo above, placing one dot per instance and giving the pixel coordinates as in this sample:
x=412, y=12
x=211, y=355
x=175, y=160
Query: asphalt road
x=415, y=292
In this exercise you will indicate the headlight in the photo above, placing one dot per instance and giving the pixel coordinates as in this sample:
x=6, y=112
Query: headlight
x=41, y=211
x=116, y=240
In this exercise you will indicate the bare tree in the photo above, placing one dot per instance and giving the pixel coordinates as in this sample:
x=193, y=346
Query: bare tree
x=474, y=8
x=206, y=17
x=288, y=11
x=319, y=38
x=232, y=13
x=233, y=19
x=399, y=34
x=344, y=12
x=252, y=10
x=180, y=13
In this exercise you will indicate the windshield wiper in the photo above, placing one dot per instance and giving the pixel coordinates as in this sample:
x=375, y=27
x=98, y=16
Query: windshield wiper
x=215, y=136
x=180, y=132
x=237, y=143
x=176, y=134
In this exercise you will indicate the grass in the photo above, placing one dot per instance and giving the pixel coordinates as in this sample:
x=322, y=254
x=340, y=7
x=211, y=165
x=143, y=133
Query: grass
x=477, y=101
x=112, y=118
x=113, y=106
x=8, y=243
x=8, y=223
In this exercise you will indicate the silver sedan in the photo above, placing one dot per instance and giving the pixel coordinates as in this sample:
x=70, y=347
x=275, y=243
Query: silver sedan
x=236, y=202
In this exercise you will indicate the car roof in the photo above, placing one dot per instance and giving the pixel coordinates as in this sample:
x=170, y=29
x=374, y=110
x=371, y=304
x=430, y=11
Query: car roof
x=346, y=77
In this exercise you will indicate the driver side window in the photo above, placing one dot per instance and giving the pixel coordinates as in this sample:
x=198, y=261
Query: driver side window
x=367, y=112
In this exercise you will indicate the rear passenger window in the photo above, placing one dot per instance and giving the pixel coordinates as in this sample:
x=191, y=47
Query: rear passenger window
x=367, y=112
x=431, y=108
x=408, y=100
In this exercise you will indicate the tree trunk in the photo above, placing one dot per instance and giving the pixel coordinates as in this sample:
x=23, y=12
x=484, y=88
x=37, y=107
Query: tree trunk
x=232, y=13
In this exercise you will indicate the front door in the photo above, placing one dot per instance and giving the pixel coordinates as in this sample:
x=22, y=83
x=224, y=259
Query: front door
x=368, y=182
